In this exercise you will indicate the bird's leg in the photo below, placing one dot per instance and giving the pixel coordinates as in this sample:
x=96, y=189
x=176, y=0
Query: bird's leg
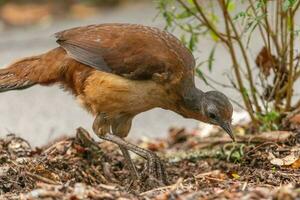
x=120, y=126
x=129, y=163
x=101, y=126
x=155, y=168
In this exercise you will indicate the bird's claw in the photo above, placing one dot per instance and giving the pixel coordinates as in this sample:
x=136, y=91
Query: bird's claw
x=154, y=171
x=83, y=137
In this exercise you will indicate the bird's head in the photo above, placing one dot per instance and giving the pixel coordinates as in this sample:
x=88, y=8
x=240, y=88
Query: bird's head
x=211, y=107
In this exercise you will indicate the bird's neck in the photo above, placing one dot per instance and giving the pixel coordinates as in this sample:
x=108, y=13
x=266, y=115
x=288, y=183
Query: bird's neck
x=192, y=97
x=186, y=103
x=191, y=104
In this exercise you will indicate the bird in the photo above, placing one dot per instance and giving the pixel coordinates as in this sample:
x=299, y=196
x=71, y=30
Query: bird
x=118, y=70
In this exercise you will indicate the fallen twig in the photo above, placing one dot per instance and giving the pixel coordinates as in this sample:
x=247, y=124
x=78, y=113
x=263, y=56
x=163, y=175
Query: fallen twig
x=42, y=179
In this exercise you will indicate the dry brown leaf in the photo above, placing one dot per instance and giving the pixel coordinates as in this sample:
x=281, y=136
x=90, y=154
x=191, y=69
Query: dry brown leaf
x=265, y=61
x=273, y=136
x=286, y=161
x=295, y=119
x=285, y=192
x=296, y=164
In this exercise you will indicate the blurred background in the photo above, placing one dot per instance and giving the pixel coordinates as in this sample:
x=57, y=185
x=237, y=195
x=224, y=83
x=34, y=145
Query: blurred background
x=41, y=114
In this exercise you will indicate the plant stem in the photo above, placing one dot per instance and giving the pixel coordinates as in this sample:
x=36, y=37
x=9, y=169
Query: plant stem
x=245, y=56
x=236, y=66
x=203, y=20
x=297, y=105
x=259, y=24
x=268, y=28
x=207, y=22
x=291, y=63
x=296, y=8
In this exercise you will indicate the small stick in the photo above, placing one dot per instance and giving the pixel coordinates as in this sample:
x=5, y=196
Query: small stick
x=42, y=179
x=244, y=186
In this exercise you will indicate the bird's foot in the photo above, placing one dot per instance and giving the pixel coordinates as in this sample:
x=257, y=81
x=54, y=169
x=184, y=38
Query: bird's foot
x=129, y=164
x=154, y=172
x=84, y=138
x=152, y=176
x=154, y=169
x=91, y=147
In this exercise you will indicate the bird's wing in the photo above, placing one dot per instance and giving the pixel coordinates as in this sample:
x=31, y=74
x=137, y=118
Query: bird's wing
x=132, y=51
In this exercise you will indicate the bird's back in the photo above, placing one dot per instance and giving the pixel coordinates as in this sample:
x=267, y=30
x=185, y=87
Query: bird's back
x=133, y=51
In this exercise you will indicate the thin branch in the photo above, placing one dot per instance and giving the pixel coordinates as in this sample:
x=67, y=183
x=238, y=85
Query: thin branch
x=297, y=105
x=259, y=24
x=280, y=92
x=282, y=55
x=204, y=21
x=190, y=11
x=296, y=8
x=208, y=23
x=264, y=83
x=297, y=75
x=266, y=19
x=284, y=88
x=245, y=56
x=277, y=14
x=42, y=179
x=291, y=63
x=269, y=30
x=218, y=83
x=297, y=63
x=236, y=66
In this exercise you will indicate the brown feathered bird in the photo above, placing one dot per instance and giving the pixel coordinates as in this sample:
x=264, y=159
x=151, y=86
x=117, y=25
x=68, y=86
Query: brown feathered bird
x=117, y=71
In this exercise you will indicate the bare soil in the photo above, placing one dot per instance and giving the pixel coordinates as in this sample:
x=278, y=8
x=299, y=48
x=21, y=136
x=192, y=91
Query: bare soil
x=255, y=167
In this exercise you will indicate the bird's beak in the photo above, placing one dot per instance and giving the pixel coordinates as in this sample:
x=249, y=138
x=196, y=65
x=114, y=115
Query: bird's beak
x=227, y=127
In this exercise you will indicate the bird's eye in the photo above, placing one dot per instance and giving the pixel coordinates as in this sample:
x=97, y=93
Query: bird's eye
x=212, y=115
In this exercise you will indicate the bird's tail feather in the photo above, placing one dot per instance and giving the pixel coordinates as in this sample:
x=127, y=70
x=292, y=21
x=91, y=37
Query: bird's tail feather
x=54, y=66
x=17, y=75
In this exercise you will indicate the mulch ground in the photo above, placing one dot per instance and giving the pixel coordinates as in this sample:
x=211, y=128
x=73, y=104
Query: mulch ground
x=265, y=166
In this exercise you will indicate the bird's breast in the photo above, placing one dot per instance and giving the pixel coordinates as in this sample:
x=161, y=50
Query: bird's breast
x=113, y=94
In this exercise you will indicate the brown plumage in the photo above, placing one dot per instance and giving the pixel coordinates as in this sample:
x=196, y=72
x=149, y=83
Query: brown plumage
x=117, y=71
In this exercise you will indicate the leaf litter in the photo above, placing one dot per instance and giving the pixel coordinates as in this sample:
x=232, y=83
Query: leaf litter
x=197, y=168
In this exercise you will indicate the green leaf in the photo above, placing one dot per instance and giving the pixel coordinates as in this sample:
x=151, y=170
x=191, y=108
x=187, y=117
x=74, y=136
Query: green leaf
x=193, y=41
x=231, y=6
x=288, y=4
x=213, y=36
x=211, y=57
x=272, y=116
x=184, y=14
x=250, y=34
x=214, y=18
x=200, y=74
x=183, y=39
x=235, y=176
x=289, y=22
x=260, y=3
x=269, y=120
x=191, y=2
x=240, y=15
x=245, y=92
